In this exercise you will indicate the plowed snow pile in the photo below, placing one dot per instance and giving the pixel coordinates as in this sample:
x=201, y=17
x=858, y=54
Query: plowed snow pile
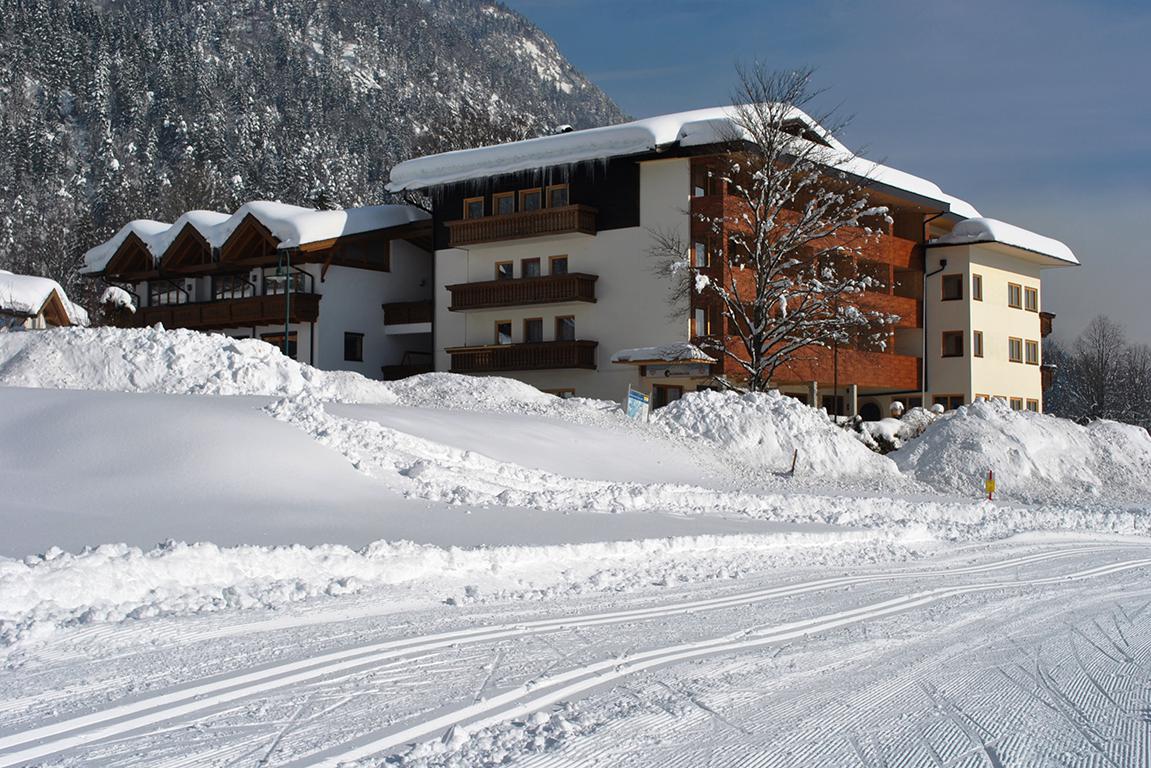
x=1035, y=457
x=170, y=362
x=764, y=429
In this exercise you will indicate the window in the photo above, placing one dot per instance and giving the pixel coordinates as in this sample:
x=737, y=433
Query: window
x=275, y=282
x=504, y=203
x=983, y=397
x=558, y=265
x=1031, y=349
x=914, y=402
x=1015, y=350
x=1017, y=403
x=232, y=287
x=1033, y=405
x=504, y=270
x=530, y=268
x=977, y=343
x=703, y=182
x=977, y=287
x=1031, y=299
x=1015, y=295
x=474, y=208
x=354, y=347
x=953, y=343
x=663, y=394
x=565, y=328
x=531, y=200
x=952, y=287
x=277, y=341
x=503, y=331
x=700, y=258
x=165, y=292
x=949, y=402
x=558, y=196
x=534, y=330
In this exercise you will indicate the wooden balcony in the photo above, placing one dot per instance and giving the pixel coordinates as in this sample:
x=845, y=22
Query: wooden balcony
x=568, y=219
x=907, y=308
x=523, y=291
x=524, y=357
x=230, y=313
x=408, y=312
x=1046, y=324
x=873, y=370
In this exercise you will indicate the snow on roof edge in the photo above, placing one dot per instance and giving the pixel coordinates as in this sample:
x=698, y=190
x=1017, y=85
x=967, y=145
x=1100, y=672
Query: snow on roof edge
x=675, y=352
x=986, y=230
x=27, y=295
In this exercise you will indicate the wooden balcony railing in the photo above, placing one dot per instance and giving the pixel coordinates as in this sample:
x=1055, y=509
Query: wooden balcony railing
x=567, y=219
x=1046, y=324
x=883, y=370
x=523, y=291
x=231, y=313
x=524, y=357
x=408, y=312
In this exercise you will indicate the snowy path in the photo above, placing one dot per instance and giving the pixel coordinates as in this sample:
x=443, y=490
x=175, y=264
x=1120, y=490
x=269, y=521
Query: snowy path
x=370, y=686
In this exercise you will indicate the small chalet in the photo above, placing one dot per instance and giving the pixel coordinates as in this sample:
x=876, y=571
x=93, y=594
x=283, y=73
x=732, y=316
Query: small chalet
x=28, y=302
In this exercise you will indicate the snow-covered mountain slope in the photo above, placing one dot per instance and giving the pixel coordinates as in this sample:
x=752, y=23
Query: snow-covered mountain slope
x=149, y=108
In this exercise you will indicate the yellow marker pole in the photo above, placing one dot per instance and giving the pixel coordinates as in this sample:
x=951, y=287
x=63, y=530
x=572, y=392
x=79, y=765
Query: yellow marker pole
x=989, y=484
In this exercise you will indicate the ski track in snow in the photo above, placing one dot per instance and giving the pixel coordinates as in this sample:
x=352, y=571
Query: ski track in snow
x=151, y=711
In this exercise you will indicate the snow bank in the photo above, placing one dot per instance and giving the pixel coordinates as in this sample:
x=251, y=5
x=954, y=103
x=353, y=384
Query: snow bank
x=114, y=583
x=764, y=429
x=891, y=434
x=170, y=362
x=983, y=230
x=1035, y=457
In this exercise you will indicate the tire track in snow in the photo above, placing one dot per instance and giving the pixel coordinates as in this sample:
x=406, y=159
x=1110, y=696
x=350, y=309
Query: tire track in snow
x=192, y=698
x=533, y=696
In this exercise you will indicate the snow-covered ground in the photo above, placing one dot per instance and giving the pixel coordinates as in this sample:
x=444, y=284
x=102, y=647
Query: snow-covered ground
x=214, y=555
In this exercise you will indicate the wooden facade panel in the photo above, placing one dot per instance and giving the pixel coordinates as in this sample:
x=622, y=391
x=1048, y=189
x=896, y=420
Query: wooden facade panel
x=231, y=313
x=524, y=357
x=523, y=291
x=408, y=312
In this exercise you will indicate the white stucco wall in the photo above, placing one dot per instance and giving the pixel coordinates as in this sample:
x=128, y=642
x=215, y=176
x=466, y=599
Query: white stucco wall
x=993, y=374
x=631, y=309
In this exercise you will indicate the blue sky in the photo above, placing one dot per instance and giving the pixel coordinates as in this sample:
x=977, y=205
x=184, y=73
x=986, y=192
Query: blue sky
x=1038, y=113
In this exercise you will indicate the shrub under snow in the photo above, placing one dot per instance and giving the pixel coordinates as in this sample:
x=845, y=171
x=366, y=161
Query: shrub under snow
x=1035, y=456
x=764, y=429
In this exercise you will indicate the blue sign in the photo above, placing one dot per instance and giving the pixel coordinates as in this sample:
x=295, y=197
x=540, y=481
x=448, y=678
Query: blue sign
x=637, y=404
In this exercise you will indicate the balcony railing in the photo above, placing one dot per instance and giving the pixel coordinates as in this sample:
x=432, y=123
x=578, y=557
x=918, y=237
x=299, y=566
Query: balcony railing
x=883, y=370
x=567, y=219
x=407, y=312
x=524, y=357
x=1046, y=324
x=523, y=291
x=231, y=313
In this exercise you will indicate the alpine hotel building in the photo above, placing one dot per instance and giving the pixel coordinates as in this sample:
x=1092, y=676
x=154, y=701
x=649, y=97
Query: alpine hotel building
x=540, y=270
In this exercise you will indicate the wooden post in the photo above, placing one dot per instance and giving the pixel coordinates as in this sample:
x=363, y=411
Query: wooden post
x=853, y=400
x=813, y=393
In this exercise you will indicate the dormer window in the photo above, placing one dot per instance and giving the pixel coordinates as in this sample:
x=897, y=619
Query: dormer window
x=558, y=196
x=531, y=199
x=504, y=203
x=474, y=208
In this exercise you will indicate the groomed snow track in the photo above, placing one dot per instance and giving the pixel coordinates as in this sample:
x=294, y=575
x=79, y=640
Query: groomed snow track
x=146, y=713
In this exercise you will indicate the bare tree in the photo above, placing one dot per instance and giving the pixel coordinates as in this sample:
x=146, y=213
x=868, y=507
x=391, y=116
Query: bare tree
x=1098, y=361
x=792, y=236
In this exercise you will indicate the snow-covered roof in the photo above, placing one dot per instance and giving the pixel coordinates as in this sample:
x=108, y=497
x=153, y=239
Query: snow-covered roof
x=982, y=230
x=201, y=221
x=687, y=129
x=27, y=295
x=95, y=259
x=676, y=352
x=291, y=225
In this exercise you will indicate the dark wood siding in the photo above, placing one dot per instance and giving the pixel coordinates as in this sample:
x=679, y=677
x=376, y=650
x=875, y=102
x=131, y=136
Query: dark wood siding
x=611, y=187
